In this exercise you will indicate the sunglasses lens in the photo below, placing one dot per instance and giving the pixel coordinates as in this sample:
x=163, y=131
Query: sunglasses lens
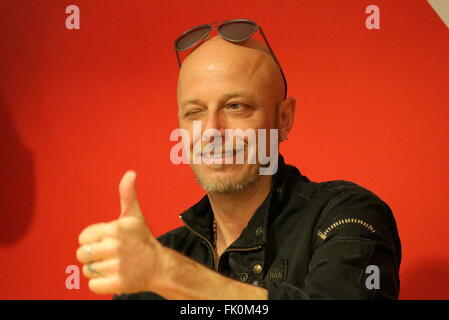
x=191, y=38
x=238, y=30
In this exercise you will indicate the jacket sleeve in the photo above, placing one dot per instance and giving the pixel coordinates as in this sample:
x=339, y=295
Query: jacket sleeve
x=356, y=252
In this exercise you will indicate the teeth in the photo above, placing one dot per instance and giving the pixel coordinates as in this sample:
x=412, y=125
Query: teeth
x=222, y=155
x=218, y=156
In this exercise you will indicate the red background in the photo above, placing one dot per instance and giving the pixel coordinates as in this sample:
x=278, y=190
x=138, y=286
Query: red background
x=79, y=107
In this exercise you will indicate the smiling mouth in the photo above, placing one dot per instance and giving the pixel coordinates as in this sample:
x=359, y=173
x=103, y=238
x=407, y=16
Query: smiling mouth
x=211, y=156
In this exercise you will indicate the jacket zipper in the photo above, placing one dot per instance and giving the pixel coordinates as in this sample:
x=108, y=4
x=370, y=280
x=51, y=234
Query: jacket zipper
x=214, y=254
x=323, y=234
x=215, y=257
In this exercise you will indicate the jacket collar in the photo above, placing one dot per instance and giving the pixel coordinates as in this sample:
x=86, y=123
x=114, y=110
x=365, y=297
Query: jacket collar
x=199, y=217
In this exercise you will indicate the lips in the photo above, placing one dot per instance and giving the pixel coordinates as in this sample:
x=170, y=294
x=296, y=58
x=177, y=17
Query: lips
x=212, y=156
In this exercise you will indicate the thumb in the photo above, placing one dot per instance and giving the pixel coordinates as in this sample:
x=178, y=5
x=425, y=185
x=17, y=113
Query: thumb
x=128, y=196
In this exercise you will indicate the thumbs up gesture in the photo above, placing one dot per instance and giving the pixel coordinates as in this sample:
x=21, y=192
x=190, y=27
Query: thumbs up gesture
x=129, y=207
x=121, y=256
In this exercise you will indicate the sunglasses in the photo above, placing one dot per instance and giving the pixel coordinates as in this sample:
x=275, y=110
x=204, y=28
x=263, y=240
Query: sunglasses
x=236, y=30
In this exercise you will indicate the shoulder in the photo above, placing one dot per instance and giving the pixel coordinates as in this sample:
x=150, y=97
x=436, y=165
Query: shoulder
x=299, y=186
x=336, y=192
x=350, y=196
x=341, y=205
x=330, y=192
x=350, y=210
x=327, y=202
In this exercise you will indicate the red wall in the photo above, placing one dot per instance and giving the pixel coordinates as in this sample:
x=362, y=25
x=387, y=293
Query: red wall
x=79, y=107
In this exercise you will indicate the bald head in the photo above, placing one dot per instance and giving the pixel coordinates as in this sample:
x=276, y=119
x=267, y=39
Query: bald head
x=218, y=64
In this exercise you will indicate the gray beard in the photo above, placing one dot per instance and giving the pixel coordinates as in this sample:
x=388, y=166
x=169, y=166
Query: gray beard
x=227, y=187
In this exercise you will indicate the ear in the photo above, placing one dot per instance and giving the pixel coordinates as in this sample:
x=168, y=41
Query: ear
x=286, y=117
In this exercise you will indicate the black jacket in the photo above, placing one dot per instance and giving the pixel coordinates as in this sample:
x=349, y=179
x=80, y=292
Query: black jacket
x=307, y=240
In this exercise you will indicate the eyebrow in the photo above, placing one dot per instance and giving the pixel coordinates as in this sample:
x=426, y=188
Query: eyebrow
x=235, y=94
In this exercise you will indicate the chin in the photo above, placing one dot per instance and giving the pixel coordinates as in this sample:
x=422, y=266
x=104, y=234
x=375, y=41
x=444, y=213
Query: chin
x=226, y=179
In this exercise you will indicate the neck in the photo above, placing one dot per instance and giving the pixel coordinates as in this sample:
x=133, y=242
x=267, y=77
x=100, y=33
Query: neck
x=232, y=212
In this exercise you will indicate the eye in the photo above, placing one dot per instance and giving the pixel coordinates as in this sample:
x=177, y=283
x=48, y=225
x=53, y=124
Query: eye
x=192, y=112
x=235, y=106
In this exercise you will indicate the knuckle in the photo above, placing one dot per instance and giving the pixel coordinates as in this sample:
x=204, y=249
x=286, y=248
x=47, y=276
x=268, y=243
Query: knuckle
x=89, y=232
x=79, y=255
x=113, y=266
x=114, y=229
x=92, y=286
x=85, y=271
x=123, y=224
x=82, y=238
x=113, y=246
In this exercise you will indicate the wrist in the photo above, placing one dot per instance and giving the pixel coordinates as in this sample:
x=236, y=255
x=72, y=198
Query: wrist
x=158, y=273
x=172, y=273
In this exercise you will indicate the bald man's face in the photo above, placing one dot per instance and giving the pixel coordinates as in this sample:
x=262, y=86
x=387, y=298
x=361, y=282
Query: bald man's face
x=228, y=86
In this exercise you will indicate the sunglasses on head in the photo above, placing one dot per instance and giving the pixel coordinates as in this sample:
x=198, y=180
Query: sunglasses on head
x=236, y=30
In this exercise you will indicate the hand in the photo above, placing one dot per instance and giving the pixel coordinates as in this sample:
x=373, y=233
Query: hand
x=121, y=256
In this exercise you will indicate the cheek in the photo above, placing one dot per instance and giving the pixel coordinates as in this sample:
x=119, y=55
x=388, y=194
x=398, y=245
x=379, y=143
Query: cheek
x=188, y=136
x=263, y=119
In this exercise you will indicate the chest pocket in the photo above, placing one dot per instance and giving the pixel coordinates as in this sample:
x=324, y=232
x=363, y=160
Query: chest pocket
x=278, y=270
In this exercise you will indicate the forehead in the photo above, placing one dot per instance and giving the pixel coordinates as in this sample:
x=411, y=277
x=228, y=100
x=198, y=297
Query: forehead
x=245, y=95
x=218, y=67
x=227, y=68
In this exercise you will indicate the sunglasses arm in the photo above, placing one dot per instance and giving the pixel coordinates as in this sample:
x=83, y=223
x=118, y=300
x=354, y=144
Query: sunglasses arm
x=275, y=59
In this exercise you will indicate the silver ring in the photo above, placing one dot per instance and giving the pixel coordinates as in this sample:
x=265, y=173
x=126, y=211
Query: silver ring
x=92, y=270
x=88, y=250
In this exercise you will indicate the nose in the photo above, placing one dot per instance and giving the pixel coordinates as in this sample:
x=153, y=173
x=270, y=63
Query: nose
x=214, y=125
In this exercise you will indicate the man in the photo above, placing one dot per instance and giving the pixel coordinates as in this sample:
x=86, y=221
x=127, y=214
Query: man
x=252, y=236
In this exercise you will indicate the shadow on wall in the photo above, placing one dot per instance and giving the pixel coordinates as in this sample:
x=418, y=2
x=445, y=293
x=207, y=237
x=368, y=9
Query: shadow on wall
x=426, y=280
x=17, y=186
